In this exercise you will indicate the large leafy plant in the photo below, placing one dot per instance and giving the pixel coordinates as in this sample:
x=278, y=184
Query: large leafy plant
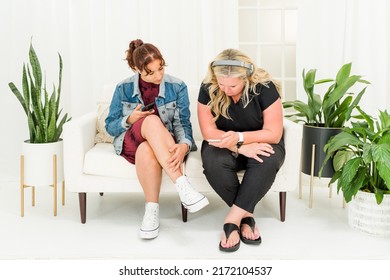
x=337, y=104
x=361, y=157
x=43, y=113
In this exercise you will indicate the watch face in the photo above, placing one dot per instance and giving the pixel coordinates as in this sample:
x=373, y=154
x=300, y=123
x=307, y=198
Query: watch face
x=239, y=144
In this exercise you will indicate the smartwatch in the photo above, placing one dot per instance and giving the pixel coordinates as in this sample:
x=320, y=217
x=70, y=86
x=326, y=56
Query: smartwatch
x=239, y=144
x=240, y=139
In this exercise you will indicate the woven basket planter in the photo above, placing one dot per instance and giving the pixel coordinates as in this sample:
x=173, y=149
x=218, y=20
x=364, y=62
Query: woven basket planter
x=365, y=215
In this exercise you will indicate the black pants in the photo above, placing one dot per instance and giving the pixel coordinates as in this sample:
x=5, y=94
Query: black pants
x=220, y=168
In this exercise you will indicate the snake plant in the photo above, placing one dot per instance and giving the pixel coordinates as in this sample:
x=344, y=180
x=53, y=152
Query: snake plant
x=43, y=114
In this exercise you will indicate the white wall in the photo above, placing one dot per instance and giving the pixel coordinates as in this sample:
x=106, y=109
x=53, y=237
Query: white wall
x=92, y=36
x=334, y=32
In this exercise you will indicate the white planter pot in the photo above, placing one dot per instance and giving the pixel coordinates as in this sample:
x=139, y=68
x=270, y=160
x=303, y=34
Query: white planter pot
x=38, y=167
x=365, y=215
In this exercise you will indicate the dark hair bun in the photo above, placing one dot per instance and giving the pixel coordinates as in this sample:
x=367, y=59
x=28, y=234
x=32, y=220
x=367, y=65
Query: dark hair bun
x=136, y=43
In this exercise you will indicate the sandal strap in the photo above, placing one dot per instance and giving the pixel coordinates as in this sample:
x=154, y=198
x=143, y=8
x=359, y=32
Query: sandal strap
x=250, y=221
x=228, y=228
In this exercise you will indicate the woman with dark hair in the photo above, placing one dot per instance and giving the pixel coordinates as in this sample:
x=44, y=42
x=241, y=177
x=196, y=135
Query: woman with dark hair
x=150, y=120
x=240, y=109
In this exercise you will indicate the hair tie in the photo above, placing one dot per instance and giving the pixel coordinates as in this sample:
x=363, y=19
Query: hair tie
x=137, y=43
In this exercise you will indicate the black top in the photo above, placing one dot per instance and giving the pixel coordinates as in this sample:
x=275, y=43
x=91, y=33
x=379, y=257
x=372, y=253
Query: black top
x=249, y=118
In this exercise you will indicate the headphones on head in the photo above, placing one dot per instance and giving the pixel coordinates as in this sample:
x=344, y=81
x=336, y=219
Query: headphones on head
x=238, y=63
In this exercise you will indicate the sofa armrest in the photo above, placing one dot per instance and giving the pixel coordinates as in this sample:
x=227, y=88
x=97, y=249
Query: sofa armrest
x=293, y=145
x=79, y=137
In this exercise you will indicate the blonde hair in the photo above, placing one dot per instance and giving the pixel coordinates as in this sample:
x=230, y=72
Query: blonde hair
x=219, y=101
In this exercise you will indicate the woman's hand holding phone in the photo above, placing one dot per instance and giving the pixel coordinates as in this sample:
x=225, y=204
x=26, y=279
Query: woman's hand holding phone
x=148, y=107
x=140, y=112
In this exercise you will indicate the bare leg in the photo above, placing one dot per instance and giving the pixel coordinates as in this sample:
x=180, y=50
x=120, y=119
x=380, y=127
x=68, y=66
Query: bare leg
x=149, y=172
x=159, y=140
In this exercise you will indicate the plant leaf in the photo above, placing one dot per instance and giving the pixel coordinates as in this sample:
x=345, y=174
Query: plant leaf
x=338, y=117
x=340, y=91
x=379, y=196
x=354, y=103
x=352, y=179
x=340, y=158
x=18, y=96
x=343, y=73
x=341, y=139
x=367, y=118
x=36, y=67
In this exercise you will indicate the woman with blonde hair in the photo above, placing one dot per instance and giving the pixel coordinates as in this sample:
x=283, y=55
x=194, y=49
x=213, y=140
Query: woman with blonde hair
x=241, y=119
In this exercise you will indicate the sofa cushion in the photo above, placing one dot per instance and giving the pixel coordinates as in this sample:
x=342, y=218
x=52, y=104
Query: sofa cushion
x=193, y=166
x=101, y=160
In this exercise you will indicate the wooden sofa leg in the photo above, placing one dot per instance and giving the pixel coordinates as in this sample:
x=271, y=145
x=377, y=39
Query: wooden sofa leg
x=282, y=204
x=184, y=213
x=83, y=207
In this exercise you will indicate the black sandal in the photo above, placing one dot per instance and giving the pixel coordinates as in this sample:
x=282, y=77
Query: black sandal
x=228, y=229
x=251, y=223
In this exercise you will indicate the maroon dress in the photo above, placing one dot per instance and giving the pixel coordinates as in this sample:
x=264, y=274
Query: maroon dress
x=133, y=137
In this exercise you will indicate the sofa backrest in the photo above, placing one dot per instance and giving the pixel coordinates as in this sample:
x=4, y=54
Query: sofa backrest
x=193, y=95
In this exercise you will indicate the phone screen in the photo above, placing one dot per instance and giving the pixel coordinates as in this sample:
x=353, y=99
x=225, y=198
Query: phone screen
x=148, y=107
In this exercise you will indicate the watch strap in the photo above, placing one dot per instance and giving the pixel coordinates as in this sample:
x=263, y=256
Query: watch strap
x=240, y=139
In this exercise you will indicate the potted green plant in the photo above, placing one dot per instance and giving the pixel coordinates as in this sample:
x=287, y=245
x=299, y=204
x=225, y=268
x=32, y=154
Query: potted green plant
x=337, y=104
x=42, y=111
x=361, y=159
x=323, y=116
x=330, y=112
x=42, y=152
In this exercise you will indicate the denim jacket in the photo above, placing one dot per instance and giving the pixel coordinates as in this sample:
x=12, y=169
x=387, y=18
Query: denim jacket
x=172, y=104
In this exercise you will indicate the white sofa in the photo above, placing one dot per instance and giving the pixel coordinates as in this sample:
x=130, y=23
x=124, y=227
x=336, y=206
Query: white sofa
x=91, y=165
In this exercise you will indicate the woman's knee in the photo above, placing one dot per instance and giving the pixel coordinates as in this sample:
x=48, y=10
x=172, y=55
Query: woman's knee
x=152, y=122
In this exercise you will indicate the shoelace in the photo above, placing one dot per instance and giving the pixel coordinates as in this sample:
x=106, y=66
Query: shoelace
x=151, y=217
x=189, y=194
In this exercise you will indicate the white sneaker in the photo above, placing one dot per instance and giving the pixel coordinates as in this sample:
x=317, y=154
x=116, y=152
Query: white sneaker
x=190, y=198
x=150, y=224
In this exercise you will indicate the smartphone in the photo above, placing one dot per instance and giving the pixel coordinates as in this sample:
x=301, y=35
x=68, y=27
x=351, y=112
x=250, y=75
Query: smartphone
x=213, y=140
x=148, y=107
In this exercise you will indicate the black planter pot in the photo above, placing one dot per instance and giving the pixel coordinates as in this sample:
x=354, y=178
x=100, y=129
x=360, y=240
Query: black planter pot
x=318, y=136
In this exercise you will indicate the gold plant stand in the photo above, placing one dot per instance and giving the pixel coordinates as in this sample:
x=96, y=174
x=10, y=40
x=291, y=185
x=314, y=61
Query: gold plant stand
x=23, y=186
x=313, y=155
x=313, y=151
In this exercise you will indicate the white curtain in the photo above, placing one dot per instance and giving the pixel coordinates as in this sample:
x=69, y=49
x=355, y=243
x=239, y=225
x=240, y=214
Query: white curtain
x=334, y=32
x=92, y=37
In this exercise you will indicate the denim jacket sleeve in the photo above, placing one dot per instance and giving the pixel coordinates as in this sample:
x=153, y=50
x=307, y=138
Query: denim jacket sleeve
x=181, y=123
x=116, y=120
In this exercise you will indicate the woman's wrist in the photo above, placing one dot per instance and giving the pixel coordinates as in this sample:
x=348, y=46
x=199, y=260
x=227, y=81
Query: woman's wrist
x=236, y=151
